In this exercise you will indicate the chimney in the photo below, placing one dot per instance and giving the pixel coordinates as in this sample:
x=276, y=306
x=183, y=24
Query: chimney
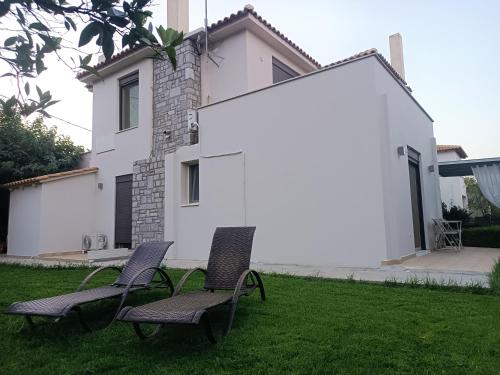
x=178, y=15
x=397, y=60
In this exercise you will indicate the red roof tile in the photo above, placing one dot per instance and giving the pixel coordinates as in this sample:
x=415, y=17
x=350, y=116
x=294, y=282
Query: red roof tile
x=49, y=177
x=118, y=56
x=457, y=148
x=248, y=10
x=369, y=52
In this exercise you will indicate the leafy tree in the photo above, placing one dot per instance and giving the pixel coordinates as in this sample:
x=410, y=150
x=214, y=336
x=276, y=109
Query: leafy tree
x=478, y=204
x=29, y=149
x=33, y=29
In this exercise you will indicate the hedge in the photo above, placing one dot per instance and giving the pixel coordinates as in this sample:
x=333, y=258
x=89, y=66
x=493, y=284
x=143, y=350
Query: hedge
x=482, y=236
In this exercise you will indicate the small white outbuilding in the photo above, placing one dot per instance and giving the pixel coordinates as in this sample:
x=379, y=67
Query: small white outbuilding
x=48, y=214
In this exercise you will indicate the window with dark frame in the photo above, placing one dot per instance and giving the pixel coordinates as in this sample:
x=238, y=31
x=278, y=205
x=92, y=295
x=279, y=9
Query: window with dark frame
x=194, y=183
x=282, y=72
x=129, y=101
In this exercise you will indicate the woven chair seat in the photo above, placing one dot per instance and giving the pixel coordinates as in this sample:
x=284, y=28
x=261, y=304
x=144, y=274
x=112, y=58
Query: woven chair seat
x=59, y=306
x=183, y=308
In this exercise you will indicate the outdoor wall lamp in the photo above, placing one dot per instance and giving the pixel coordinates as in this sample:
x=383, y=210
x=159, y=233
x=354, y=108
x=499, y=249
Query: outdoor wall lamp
x=401, y=151
x=168, y=134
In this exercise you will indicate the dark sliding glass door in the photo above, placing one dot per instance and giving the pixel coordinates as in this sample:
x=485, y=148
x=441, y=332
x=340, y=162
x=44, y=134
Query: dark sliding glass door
x=416, y=199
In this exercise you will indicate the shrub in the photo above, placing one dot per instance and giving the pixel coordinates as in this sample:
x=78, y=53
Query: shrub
x=482, y=236
x=455, y=213
x=495, y=278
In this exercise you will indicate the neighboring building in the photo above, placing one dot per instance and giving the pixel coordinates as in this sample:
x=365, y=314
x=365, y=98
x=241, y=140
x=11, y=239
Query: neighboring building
x=453, y=191
x=334, y=165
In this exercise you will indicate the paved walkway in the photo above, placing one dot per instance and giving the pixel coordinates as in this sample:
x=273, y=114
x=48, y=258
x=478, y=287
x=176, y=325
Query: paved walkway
x=475, y=259
x=470, y=266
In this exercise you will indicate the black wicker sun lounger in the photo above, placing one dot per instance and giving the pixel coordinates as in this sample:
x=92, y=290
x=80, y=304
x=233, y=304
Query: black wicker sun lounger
x=226, y=279
x=137, y=274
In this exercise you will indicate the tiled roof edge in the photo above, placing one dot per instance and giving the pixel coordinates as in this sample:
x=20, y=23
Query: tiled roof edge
x=248, y=10
x=49, y=177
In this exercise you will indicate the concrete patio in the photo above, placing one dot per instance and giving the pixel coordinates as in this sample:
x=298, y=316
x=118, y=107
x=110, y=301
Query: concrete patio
x=471, y=259
x=469, y=266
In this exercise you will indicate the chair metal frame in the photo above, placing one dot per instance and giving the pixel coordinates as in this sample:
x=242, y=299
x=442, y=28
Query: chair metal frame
x=448, y=233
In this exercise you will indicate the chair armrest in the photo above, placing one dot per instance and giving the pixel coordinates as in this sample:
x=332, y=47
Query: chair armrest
x=184, y=278
x=241, y=281
x=92, y=274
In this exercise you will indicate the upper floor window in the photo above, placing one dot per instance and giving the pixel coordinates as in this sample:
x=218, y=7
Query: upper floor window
x=282, y=72
x=129, y=101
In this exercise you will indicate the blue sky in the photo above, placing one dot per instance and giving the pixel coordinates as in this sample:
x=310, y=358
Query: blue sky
x=451, y=48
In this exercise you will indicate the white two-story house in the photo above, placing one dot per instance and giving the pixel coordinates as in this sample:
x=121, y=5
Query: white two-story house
x=333, y=165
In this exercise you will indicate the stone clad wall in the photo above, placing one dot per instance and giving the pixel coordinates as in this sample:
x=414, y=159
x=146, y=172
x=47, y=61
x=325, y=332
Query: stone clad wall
x=174, y=93
x=148, y=193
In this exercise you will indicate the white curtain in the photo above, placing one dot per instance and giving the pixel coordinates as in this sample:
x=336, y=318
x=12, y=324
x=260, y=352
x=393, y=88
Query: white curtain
x=488, y=179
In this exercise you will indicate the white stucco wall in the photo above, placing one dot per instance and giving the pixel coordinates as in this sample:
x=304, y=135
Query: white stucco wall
x=67, y=212
x=24, y=221
x=51, y=217
x=453, y=190
x=300, y=168
x=315, y=168
x=259, y=62
x=114, y=151
x=229, y=78
x=245, y=64
x=403, y=123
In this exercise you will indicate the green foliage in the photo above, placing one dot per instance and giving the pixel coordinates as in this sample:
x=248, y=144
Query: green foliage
x=41, y=26
x=482, y=236
x=495, y=278
x=306, y=326
x=29, y=149
x=455, y=213
x=478, y=204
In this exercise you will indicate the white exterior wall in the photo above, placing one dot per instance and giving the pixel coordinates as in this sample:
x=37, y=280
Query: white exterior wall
x=24, y=221
x=67, y=212
x=259, y=62
x=114, y=151
x=52, y=216
x=452, y=188
x=403, y=123
x=319, y=177
x=300, y=168
x=229, y=78
x=245, y=64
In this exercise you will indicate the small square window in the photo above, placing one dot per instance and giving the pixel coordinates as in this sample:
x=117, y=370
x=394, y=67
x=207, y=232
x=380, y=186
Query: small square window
x=194, y=183
x=129, y=101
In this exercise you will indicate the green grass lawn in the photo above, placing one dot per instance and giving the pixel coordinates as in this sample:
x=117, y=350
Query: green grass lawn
x=307, y=326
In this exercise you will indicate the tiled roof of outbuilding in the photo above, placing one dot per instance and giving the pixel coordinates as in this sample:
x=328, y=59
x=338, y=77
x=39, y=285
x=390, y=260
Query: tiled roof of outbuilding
x=49, y=177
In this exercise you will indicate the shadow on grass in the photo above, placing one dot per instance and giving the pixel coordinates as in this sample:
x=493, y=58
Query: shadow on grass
x=176, y=339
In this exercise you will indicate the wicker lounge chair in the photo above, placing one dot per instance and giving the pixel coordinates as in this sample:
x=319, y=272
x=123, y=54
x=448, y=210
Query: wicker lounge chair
x=137, y=274
x=225, y=281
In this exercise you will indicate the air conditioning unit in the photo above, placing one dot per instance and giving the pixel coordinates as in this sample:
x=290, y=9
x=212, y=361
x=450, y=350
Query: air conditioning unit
x=94, y=241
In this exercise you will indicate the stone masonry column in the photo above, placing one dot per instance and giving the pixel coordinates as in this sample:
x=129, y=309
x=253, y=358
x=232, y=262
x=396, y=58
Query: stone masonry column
x=174, y=93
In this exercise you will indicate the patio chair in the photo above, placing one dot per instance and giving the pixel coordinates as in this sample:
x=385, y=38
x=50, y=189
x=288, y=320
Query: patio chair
x=448, y=233
x=226, y=280
x=138, y=274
